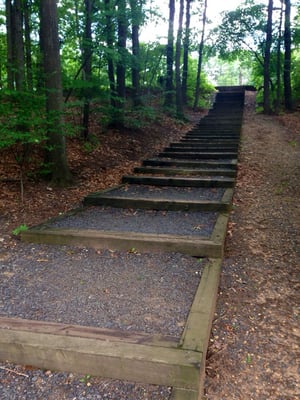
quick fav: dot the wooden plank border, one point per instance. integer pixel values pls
(194, 246)
(99, 356)
(114, 354)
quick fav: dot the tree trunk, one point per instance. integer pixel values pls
(56, 149)
(18, 43)
(278, 63)
(87, 66)
(9, 40)
(179, 104)
(287, 58)
(186, 46)
(109, 57)
(200, 57)
(28, 53)
(118, 119)
(135, 71)
(169, 95)
(267, 57)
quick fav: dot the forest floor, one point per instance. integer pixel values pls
(254, 350)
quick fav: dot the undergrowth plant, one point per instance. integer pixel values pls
(22, 125)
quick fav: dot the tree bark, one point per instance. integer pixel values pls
(118, 119)
(169, 94)
(28, 52)
(87, 66)
(278, 63)
(186, 46)
(200, 57)
(287, 58)
(56, 148)
(9, 40)
(109, 57)
(179, 103)
(135, 71)
(267, 57)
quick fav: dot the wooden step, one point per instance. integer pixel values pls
(186, 172)
(201, 148)
(198, 155)
(193, 245)
(178, 181)
(230, 163)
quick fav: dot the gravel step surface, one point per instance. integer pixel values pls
(137, 220)
(150, 293)
(168, 192)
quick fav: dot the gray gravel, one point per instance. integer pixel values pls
(149, 293)
(136, 220)
(168, 192)
(25, 383)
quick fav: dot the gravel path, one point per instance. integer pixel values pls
(143, 221)
(149, 293)
(168, 192)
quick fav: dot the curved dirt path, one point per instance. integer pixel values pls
(254, 352)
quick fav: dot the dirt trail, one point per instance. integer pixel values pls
(254, 352)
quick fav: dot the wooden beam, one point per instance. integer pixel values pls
(191, 245)
(125, 360)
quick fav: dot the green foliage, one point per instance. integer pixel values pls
(19, 229)
(21, 118)
(140, 117)
(206, 88)
(241, 29)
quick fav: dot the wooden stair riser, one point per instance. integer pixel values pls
(191, 163)
(181, 182)
(199, 155)
(184, 172)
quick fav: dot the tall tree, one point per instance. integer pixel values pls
(87, 66)
(186, 48)
(19, 45)
(15, 44)
(109, 30)
(200, 56)
(169, 87)
(136, 14)
(10, 46)
(267, 58)
(56, 148)
(179, 103)
(28, 47)
(287, 57)
(278, 61)
(121, 63)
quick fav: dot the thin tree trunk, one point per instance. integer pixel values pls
(200, 57)
(135, 71)
(267, 57)
(278, 63)
(19, 58)
(9, 40)
(179, 103)
(87, 66)
(110, 46)
(186, 46)
(169, 95)
(287, 58)
(118, 119)
(28, 52)
(56, 148)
